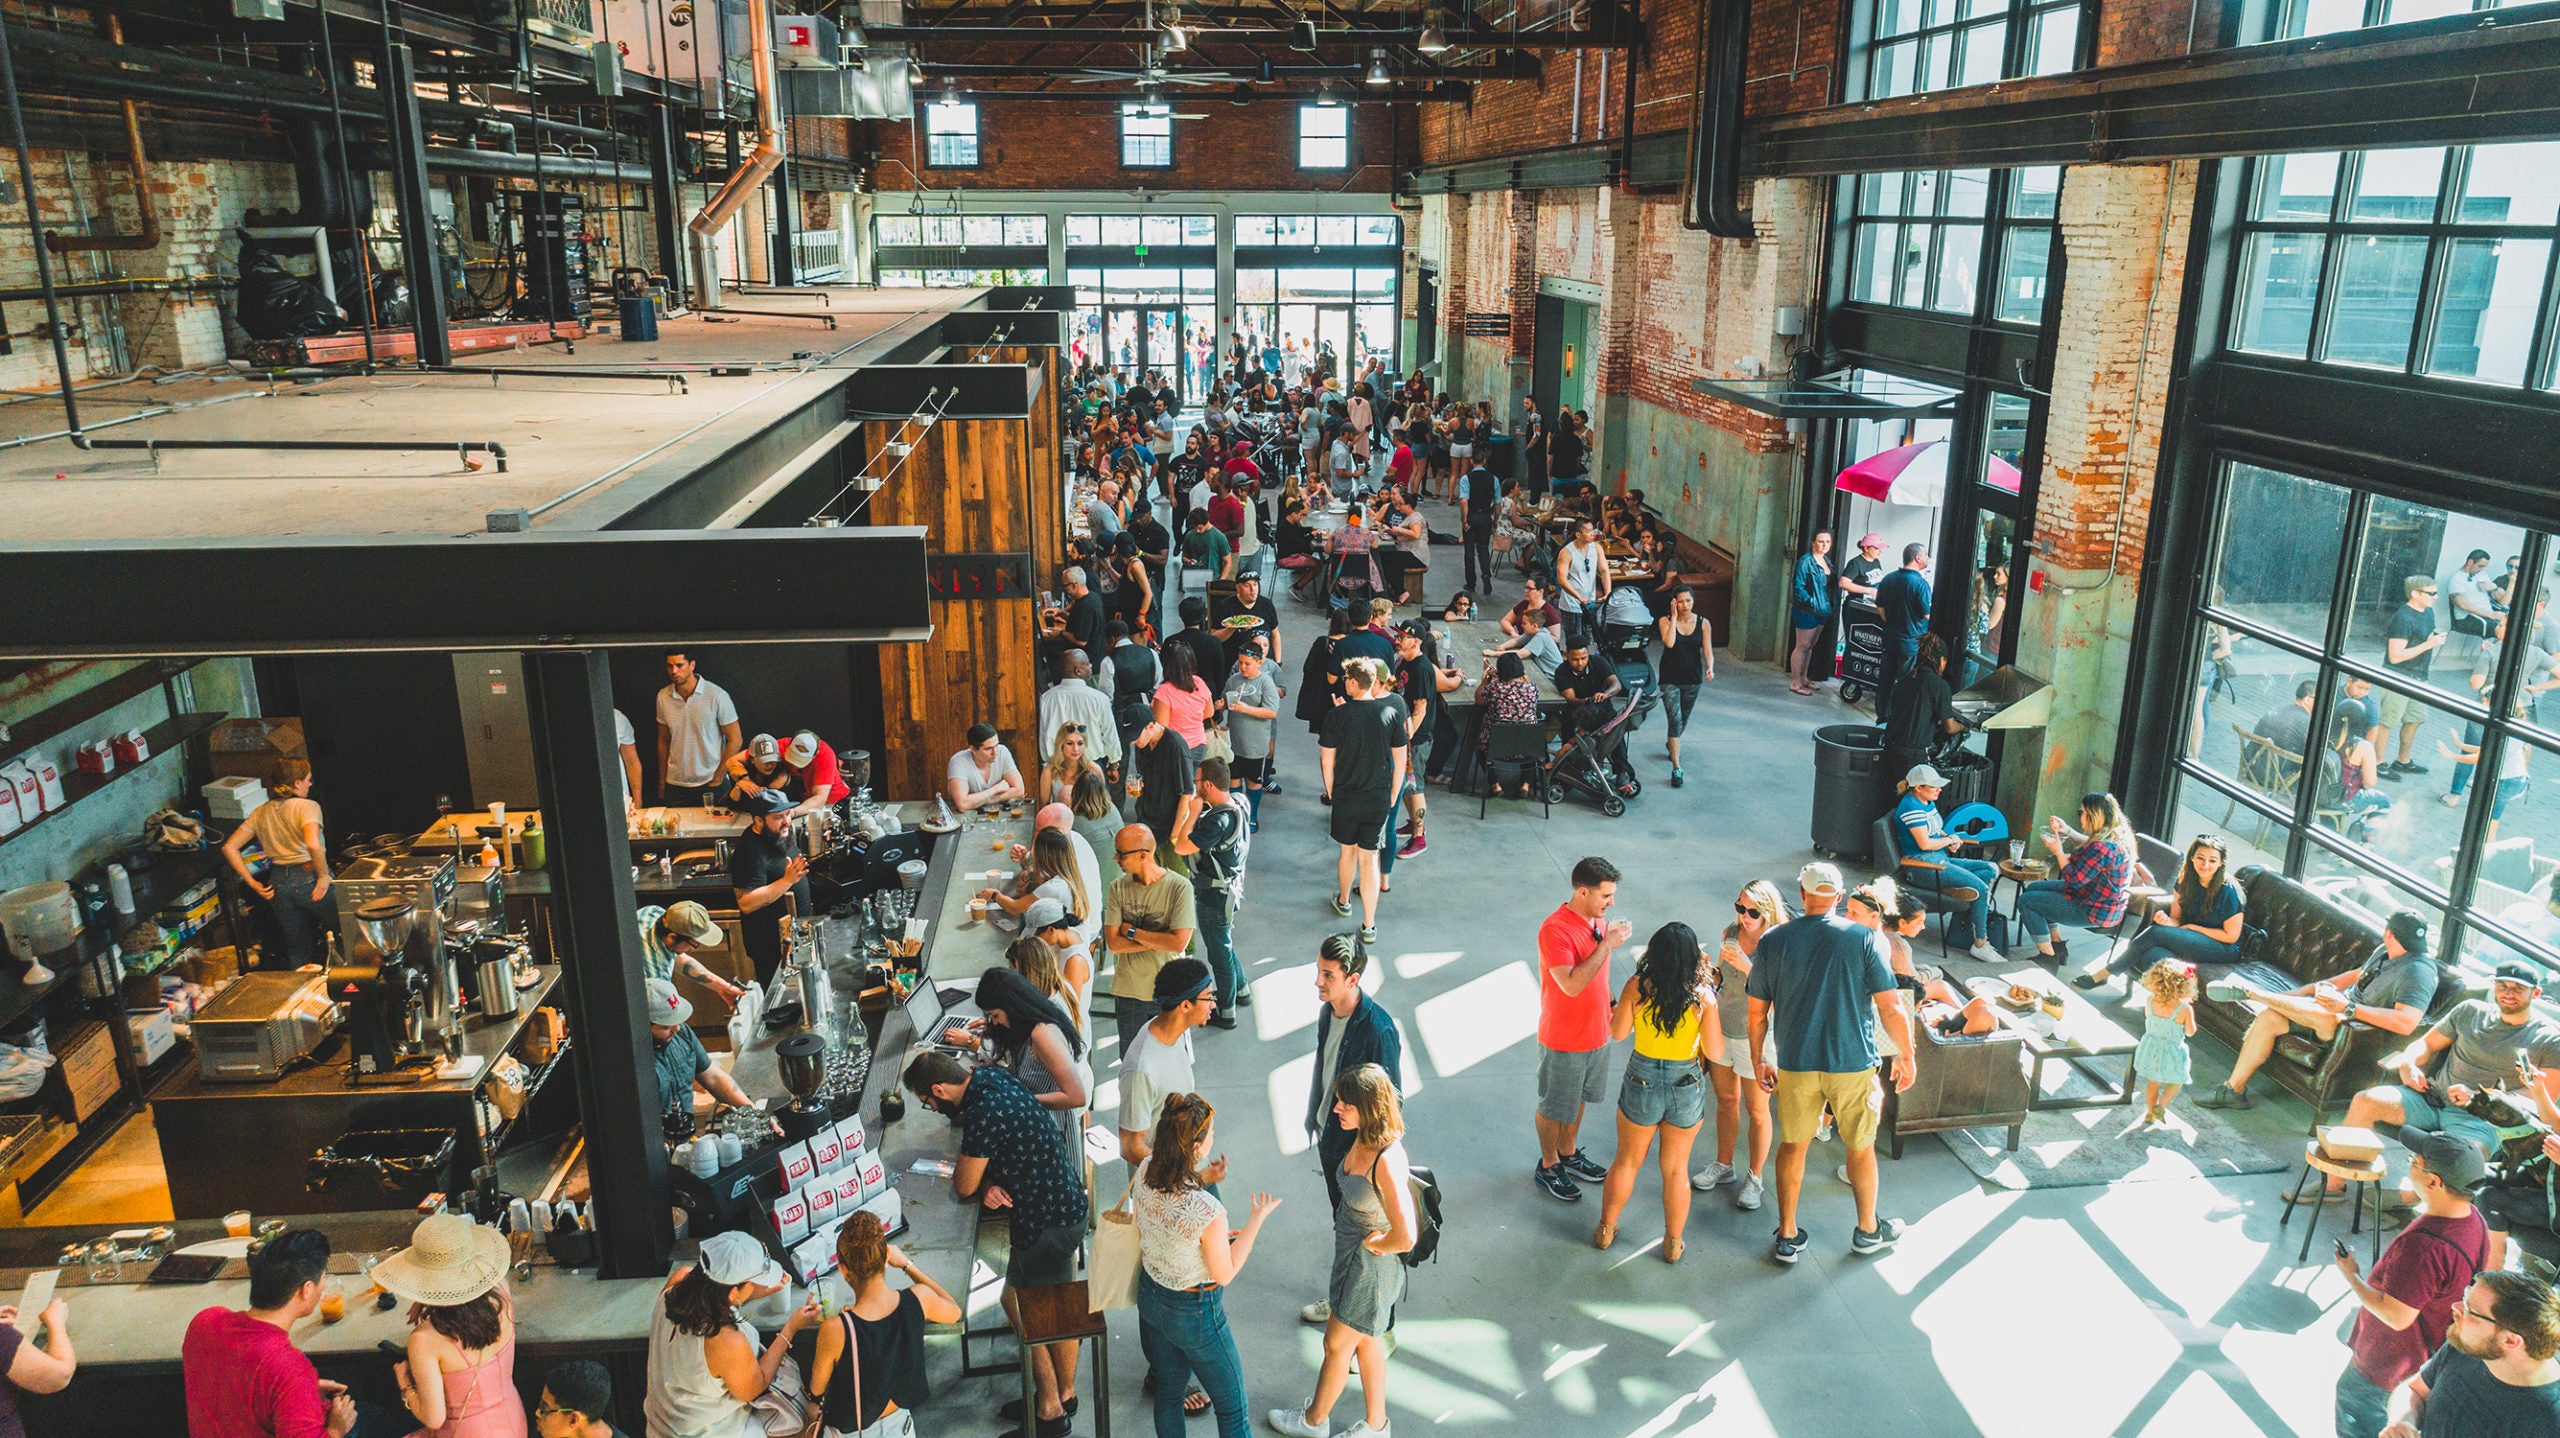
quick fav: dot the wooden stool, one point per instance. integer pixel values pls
(2358, 1176)
(1063, 1313)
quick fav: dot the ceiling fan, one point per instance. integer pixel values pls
(1151, 72)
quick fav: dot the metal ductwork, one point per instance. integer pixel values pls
(323, 200)
(1713, 203)
(752, 172)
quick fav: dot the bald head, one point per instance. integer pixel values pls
(1054, 816)
(1075, 664)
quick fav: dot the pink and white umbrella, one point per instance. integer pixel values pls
(1915, 474)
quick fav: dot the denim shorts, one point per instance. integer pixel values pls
(1663, 1091)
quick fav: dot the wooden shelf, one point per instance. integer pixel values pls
(16, 998)
(169, 736)
(91, 702)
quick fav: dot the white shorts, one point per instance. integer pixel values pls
(1461, 451)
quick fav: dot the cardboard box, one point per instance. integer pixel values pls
(88, 1058)
(256, 747)
(2350, 1145)
(154, 1033)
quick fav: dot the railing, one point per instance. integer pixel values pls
(817, 256)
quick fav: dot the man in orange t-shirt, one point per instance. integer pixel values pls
(1573, 1024)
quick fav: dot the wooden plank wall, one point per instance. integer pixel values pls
(1048, 471)
(966, 483)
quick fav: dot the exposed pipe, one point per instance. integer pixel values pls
(501, 162)
(751, 173)
(465, 447)
(35, 236)
(147, 237)
(183, 284)
(320, 195)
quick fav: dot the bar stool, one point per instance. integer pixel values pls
(1062, 1313)
(2359, 1177)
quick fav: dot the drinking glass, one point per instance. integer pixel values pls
(2017, 850)
(102, 1261)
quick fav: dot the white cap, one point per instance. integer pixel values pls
(803, 748)
(735, 1257)
(1818, 878)
(1923, 774)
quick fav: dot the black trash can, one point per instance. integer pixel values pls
(1849, 789)
(383, 1167)
(1499, 453)
(1969, 777)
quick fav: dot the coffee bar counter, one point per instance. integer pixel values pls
(233, 1145)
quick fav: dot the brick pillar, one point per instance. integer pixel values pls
(1523, 297)
(1620, 256)
(1457, 214)
(2124, 231)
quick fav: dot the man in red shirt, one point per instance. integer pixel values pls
(245, 1379)
(1400, 465)
(2408, 1303)
(1226, 511)
(1573, 1024)
(814, 765)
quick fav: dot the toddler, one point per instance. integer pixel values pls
(2168, 1020)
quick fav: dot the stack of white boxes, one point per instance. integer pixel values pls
(825, 1181)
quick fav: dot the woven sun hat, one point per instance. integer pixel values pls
(449, 1260)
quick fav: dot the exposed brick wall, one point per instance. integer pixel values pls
(2131, 31)
(1075, 145)
(1793, 44)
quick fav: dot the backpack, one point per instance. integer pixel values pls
(1425, 1188)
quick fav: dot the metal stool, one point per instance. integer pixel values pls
(2358, 1176)
(1063, 1313)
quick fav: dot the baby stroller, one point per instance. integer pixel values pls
(1625, 627)
(1581, 763)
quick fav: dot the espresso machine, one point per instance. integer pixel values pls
(382, 984)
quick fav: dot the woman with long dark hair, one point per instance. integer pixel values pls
(459, 1378)
(1029, 1033)
(2096, 879)
(706, 1364)
(1670, 1011)
(1186, 1258)
(2202, 923)
(1183, 701)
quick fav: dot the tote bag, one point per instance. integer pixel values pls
(1111, 1277)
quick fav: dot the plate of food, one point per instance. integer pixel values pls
(1244, 621)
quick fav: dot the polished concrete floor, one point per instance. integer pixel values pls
(2157, 1307)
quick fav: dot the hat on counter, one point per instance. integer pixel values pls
(764, 750)
(1818, 878)
(804, 747)
(1044, 914)
(691, 921)
(2457, 1162)
(666, 1006)
(1179, 982)
(2517, 971)
(735, 1257)
(1924, 775)
(763, 802)
(1871, 541)
(449, 1260)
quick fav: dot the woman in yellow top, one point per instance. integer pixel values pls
(1671, 1012)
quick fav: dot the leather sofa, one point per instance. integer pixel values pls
(2301, 935)
(1963, 1081)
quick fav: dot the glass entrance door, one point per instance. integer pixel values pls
(1147, 339)
(1308, 333)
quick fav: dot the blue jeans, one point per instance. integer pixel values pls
(1185, 1335)
(303, 922)
(1217, 939)
(1974, 874)
(2364, 1406)
(2160, 941)
(2044, 911)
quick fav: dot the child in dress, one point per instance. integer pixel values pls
(2168, 1021)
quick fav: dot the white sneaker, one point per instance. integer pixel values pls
(1712, 1177)
(1362, 1429)
(1749, 1196)
(1825, 1136)
(1843, 1172)
(1318, 1312)
(1293, 1421)
(1982, 950)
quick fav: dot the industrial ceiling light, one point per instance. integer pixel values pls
(1434, 38)
(950, 94)
(1262, 71)
(1378, 68)
(1304, 37)
(1176, 35)
(915, 72)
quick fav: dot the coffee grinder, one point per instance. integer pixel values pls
(803, 1060)
(384, 981)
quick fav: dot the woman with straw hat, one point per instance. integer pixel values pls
(459, 1380)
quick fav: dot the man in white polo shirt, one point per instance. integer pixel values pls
(697, 729)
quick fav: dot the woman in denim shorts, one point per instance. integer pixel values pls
(1671, 1012)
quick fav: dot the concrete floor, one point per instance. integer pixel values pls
(2161, 1307)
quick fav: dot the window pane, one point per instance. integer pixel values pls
(1253, 229)
(1378, 230)
(1986, 612)
(2398, 185)
(981, 230)
(2320, 17)
(2034, 190)
(2346, 883)
(899, 230)
(1084, 229)
(1026, 229)
(2025, 255)
(1910, 288)
(1295, 229)
(1925, 185)
(2511, 185)
(2254, 840)
(1880, 194)
(1979, 53)
(2526, 912)
(1896, 65)
(2377, 304)
(1969, 192)
(1897, 17)
(1159, 230)
(2415, 552)
(2279, 562)
(2295, 187)
(1256, 286)
(2279, 275)
(2053, 40)
(1333, 230)
(2400, 12)
(2484, 322)
(1959, 268)
(1323, 154)
(1871, 272)
(2247, 725)
(1937, 57)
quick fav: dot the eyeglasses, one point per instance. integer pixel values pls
(1131, 853)
(2473, 1313)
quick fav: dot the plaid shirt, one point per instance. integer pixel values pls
(2099, 878)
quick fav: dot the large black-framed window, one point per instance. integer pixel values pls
(1146, 137)
(964, 251)
(2433, 261)
(2297, 716)
(1911, 47)
(1324, 137)
(951, 135)
(2294, 19)
(1977, 243)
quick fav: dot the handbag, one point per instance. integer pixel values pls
(1220, 746)
(1501, 542)
(1111, 1274)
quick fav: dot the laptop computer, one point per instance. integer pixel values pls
(933, 1010)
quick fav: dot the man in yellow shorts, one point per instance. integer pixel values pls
(1820, 984)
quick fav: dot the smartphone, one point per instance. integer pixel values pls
(2340, 1245)
(32, 1302)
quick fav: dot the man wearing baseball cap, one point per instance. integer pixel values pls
(671, 935)
(813, 771)
(1820, 984)
(2481, 1044)
(2392, 990)
(767, 878)
(682, 1063)
(754, 769)
(1155, 1061)
(2407, 1304)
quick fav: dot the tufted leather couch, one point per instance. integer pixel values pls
(1960, 1081)
(2308, 936)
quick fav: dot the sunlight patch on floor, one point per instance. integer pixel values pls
(1478, 1019)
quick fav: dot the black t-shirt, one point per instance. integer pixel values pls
(1085, 617)
(1364, 735)
(1564, 454)
(1417, 683)
(1588, 682)
(2466, 1400)
(1001, 1122)
(2410, 626)
(1224, 607)
(756, 860)
(1155, 543)
(1862, 570)
(1922, 705)
(1208, 656)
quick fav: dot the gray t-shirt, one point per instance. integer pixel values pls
(973, 780)
(2388, 983)
(2484, 1049)
(1251, 736)
(1150, 1072)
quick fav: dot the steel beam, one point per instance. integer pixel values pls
(568, 589)
(971, 328)
(579, 782)
(408, 144)
(1598, 37)
(960, 391)
(2470, 78)
(1659, 161)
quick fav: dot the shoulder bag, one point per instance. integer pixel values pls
(1111, 1274)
